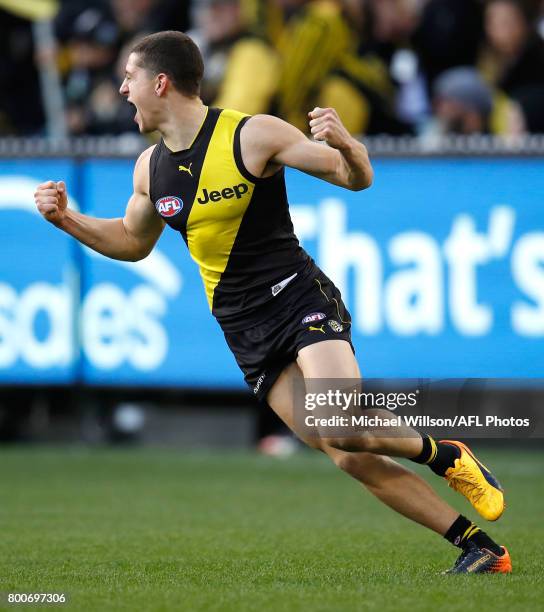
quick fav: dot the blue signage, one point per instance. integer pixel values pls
(441, 264)
(38, 278)
(147, 322)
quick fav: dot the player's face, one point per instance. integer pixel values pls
(138, 87)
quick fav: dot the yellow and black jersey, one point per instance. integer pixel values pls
(237, 226)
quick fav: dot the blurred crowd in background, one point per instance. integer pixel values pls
(419, 67)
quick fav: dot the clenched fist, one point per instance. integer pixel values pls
(51, 201)
(325, 125)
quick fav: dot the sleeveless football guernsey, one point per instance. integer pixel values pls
(237, 226)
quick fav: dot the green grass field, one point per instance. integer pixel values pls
(141, 530)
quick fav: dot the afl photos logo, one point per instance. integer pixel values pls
(169, 206)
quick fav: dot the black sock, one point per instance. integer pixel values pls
(464, 531)
(439, 456)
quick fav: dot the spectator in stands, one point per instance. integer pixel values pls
(449, 35)
(463, 102)
(513, 56)
(90, 86)
(138, 17)
(21, 111)
(512, 61)
(69, 11)
(268, 17)
(392, 26)
(360, 86)
(312, 43)
(323, 63)
(530, 101)
(241, 66)
(132, 16)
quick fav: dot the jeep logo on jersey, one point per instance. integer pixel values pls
(225, 194)
(312, 318)
(169, 206)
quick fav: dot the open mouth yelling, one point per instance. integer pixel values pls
(136, 110)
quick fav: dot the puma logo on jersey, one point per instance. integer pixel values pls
(237, 191)
(319, 329)
(186, 168)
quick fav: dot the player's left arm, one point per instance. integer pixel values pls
(269, 143)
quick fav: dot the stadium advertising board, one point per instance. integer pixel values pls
(38, 280)
(146, 322)
(441, 264)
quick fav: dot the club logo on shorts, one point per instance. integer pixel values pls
(335, 326)
(313, 317)
(169, 206)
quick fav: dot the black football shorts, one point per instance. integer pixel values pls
(307, 311)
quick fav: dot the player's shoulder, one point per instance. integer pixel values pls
(263, 127)
(145, 156)
(141, 167)
(233, 115)
(268, 134)
(259, 121)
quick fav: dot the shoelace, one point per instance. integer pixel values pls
(463, 481)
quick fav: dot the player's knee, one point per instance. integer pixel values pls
(348, 462)
(365, 442)
(365, 467)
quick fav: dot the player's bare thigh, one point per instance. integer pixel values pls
(281, 398)
(331, 366)
(330, 359)
(323, 368)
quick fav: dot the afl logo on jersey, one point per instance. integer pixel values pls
(169, 206)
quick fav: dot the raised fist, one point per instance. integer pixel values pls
(325, 125)
(51, 201)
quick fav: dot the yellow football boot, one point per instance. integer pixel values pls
(473, 480)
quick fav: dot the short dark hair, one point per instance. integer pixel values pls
(175, 54)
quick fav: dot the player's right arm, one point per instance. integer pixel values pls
(129, 238)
